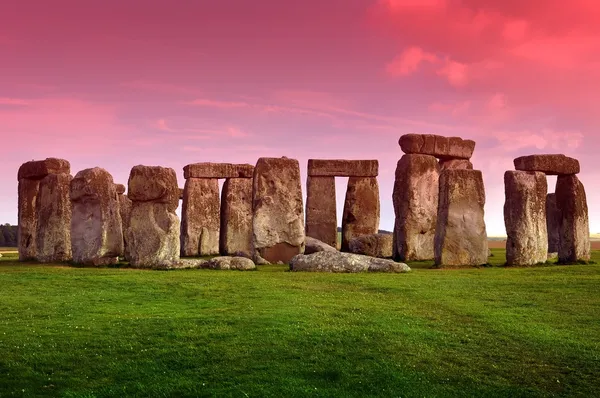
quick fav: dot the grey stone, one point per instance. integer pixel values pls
(200, 224)
(321, 217)
(361, 209)
(327, 261)
(574, 241)
(236, 218)
(375, 245)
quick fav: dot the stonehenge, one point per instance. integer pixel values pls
(96, 227)
(210, 226)
(539, 223)
(44, 211)
(260, 216)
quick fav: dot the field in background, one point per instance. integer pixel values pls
(493, 331)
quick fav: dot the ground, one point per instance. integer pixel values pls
(494, 331)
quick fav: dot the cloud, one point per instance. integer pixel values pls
(543, 140)
(13, 101)
(409, 61)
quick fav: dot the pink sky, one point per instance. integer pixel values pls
(120, 82)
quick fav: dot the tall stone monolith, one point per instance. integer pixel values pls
(321, 217)
(460, 235)
(361, 209)
(415, 199)
(96, 230)
(201, 217)
(552, 223)
(525, 217)
(236, 218)
(574, 238)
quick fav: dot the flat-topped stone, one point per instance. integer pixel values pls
(436, 145)
(550, 164)
(154, 184)
(342, 168)
(218, 170)
(38, 169)
(120, 189)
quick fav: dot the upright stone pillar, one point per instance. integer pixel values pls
(574, 224)
(153, 233)
(44, 210)
(201, 217)
(361, 209)
(525, 217)
(96, 226)
(460, 235)
(321, 217)
(415, 198)
(236, 218)
(278, 213)
(552, 223)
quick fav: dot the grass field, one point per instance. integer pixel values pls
(495, 331)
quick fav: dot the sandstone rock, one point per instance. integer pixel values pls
(96, 234)
(375, 245)
(552, 223)
(125, 206)
(53, 208)
(200, 217)
(525, 217)
(549, 164)
(278, 214)
(460, 235)
(258, 260)
(436, 145)
(415, 199)
(120, 188)
(314, 245)
(361, 209)
(236, 218)
(574, 242)
(218, 170)
(38, 169)
(321, 217)
(153, 236)
(327, 261)
(190, 263)
(28, 219)
(342, 168)
(460, 164)
(230, 263)
(154, 184)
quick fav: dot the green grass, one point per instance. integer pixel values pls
(493, 331)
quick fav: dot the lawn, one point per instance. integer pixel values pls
(494, 331)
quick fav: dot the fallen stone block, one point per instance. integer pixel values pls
(327, 261)
(375, 245)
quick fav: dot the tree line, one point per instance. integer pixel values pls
(8, 235)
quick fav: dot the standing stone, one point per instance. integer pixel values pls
(456, 164)
(321, 217)
(236, 218)
(552, 223)
(278, 214)
(125, 206)
(200, 215)
(361, 209)
(28, 220)
(53, 208)
(525, 217)
(415, 198)
(460, 235)
(96, 234)
(574, 243)
(153, 233)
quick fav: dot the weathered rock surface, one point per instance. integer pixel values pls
(549, 164)
(361, 209)
(525, 217)
(460, 236)
(96, 234)
(125, 206)
(314, 245)
(321, 217)
(153, 233)
(574, 241)
(53, 208)
(236, 218)
(415, 198)
(230, 263)
(120, 189)
(327, 261)
(552, 223)
(436, 145)
(460, 164)
(28, 219)
(375, 245)
(38, 169)
(218, 170)
(200, 215)
(278, 214)
(154, 184)
(342, 168)
(193, 263)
